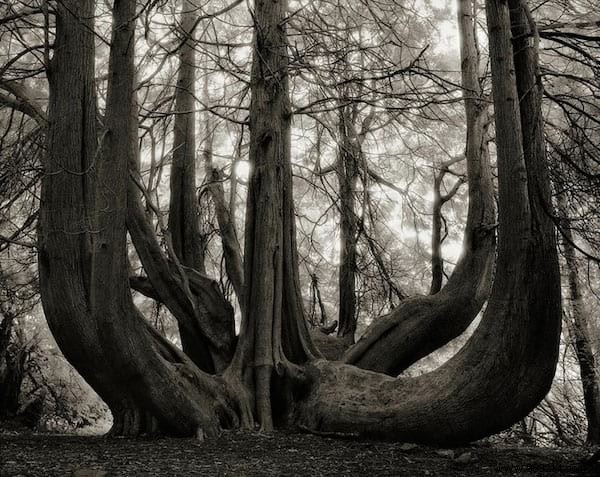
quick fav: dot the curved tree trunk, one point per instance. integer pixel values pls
(65, 229)
(205, 318)
(507, 366)
(195, 300)
(498, 377)
(422, 324)
(83, 259)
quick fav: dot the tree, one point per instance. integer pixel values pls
(90, 200)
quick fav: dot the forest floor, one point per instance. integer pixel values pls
(282, 454)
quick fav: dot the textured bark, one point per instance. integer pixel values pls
(507, 366)
(183, 217)
(347, 174)
(180, 396)
(64, 234)
(273, 333)
(205, 318)
(422, 324)
(201, 310)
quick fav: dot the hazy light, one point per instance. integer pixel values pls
(242, 170)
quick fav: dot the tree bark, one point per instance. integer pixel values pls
(582, 341)
(205, 318)
(196, 301)
(183, 216)
(422, 324)
(347, 173)
(437, 222)
(273, 334)
(64, 228)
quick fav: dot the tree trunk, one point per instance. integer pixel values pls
(582, 341)
(273, 334)
(437, 260)
(12, 364)
(347, 173)
(232, 252)
(205, 318)
(195, 300)
(65, 229)
(83, 260)
(184, 230)
(183, 217)
(422, 324)
(507, 366)
(437, 220)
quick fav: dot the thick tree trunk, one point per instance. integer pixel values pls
(507, 366)
(273, 335)
(422, 324)
(65, 229)
(144, 379)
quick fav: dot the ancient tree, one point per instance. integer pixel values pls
(271, 374)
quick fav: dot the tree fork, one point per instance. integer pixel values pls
(507, 366)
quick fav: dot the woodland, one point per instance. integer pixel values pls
(369, 220)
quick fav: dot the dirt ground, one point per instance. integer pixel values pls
(282, 454)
